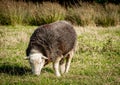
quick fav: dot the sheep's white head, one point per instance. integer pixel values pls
(37, 61)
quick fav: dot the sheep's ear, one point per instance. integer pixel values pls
(27, 58)
(44, 57)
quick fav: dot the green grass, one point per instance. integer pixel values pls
(96, 62)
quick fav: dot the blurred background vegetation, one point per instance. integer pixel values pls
(79, 12)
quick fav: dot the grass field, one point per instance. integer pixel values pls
(96, 62)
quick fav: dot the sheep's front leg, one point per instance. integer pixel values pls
(56, 66)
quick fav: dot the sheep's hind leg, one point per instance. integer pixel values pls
(68, 61)
(62, 66)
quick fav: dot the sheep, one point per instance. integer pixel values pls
(54, 42)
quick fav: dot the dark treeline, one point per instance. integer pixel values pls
(73, 2)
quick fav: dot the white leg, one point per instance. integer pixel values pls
(67, 66)
(56, 66)
(68, 61)
(62, 66)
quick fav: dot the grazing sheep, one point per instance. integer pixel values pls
(54, 42)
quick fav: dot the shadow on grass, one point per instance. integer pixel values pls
(13, 69)
(49, 70)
